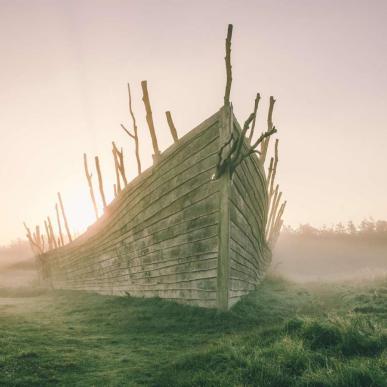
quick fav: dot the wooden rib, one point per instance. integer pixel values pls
(117, 170)
(265, 144)
(172, 127)
(100, 182)
(64, 217)
(149, 120)
(122, 166)
(59, 226)
(49, 240)
(274, 167)
(119, 159)
(50, 228)
(34, 247)
(269, 174)
(135, 130)
(272, 202)
(256, 103)
(274, 212)
(90, 183)
(277, 225)
(228, 66)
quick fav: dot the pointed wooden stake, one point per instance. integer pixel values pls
(64, 218)
(117, 169)
(48, 236)
(90, 183)
(149, 120)
(228, 66)
(172, 127)
(100, 182)
(59, 226)
(55, 245)
(135, 130)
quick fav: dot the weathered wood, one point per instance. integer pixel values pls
(49, 240)
(64, 218)
(59, 226)
(149, 120)
(256, 102)
(224, 214)
(117, 186)
(36, 249)
(171, 232)
(134, 135)
(100, 182)
(90, 184)
(228, 66)
(172, 127)
(52, 234)
(265, 144)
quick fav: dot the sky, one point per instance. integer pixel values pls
(65, 65)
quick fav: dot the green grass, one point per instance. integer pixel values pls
(281, 335)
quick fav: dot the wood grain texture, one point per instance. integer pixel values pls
(173, 232)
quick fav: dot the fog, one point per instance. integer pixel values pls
(339, 253)
(305, 254)
(17, 265)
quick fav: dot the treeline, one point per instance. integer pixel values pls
(15, 252)
(368, 229)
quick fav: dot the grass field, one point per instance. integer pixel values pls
(283, 334)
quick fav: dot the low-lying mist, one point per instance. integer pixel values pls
(340, 253)
(17, 265)
(304, 254)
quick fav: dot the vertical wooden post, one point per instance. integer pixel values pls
(122, 165)
(228, 66)
(149, 120)
(265, 143)
(172, 127)
(223, 269)
(100, 182)
(34, 246)
(117, 169)
(59, 226)
(256, 102)
(135, 130)
(90, 183)
(50, 228)
(64, 218)
(49, 240)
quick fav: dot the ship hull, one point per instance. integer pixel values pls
(174, 232)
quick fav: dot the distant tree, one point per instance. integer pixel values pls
(339, 228)
(351, 228)
(307, 230)
(367, 226)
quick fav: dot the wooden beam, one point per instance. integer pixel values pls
(100, 182)
(228, 66)
(49, 240)
(117, 170)
(59, 226)
(90, 183)
(50, 228)
(64, 217)
(265, 144)
(172, 127)
(256, 103)
(149, 120)
(134, 136)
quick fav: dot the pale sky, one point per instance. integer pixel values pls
(65, 64)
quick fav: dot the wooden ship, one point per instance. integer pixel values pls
(196, 227)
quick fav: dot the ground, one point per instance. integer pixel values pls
(283, 334)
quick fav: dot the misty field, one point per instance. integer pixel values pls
(283, 334)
